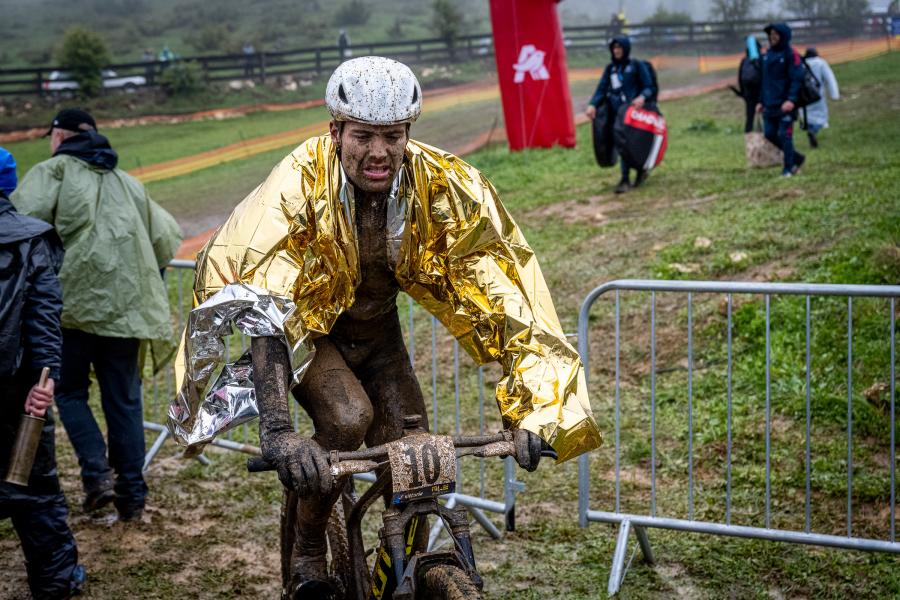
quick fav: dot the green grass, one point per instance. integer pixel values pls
(150, 144)
(213, 530)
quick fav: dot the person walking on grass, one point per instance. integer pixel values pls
(116, 240)
(750, 81)
(30, 303)
(624, 81)
(816, 114)
(782, 76)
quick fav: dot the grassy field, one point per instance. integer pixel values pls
(212, 531)
(201, 200)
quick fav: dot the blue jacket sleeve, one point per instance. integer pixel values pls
(43, 305)
(602, 88)
(645, 80)
(796, 74)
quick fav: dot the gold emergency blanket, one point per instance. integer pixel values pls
(456, 251)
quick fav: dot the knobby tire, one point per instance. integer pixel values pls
(446, 582)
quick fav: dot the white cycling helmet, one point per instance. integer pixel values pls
(374, 90)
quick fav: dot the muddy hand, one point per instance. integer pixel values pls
(302, 464)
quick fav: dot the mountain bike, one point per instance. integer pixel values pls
(419, 468)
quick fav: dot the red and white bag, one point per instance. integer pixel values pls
(641, 137)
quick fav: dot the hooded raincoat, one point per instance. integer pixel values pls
(116, 239)
(782, 72)
(817, 112)
(291, 245)
(623, 80)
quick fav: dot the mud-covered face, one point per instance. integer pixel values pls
(370, 154)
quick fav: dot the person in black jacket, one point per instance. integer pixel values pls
(782, 76)
(624, 81)
(750, 81)
(31, 338)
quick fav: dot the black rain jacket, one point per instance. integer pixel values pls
(31, 255)
(30, 295)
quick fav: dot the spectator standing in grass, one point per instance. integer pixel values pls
(343, 45)
(624, 81)
(166, 56)
(750, 81)
(30, 303)
(249, 58)
(117, 240)
(781, 81)
(149, 60)
(816, 114)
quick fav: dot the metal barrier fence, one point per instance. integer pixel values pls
(705, 517)
(442, 373)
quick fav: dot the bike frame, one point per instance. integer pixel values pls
(397, 561)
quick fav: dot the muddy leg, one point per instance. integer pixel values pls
(341, 415)
(394, 391)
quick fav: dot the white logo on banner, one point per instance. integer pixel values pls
(531, 61)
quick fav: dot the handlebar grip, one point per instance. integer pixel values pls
(258, 464)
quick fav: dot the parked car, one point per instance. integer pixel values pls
(61, 81)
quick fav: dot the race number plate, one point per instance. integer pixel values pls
(422, 466)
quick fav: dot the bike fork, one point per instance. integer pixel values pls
(458, 523)
(392, 539)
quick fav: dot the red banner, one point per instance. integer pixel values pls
(531, 66)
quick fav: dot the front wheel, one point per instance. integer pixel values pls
(447, 582)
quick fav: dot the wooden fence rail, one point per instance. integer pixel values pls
(696, 37)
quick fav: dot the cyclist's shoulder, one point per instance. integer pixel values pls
(314, 149)
(437, 162)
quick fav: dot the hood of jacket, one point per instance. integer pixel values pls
(784, 32)
(625, 42)
(92, 148)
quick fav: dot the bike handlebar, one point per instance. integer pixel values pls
(368, 458)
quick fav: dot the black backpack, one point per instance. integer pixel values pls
(809, 88)
(751, 73)
(655, 95)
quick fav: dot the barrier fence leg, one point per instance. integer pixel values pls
(511, 487)
(583, 490)
(157, 443)
(483, 520)
(644, 543)
(619, 568)
(163, 432)
(617, 571)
